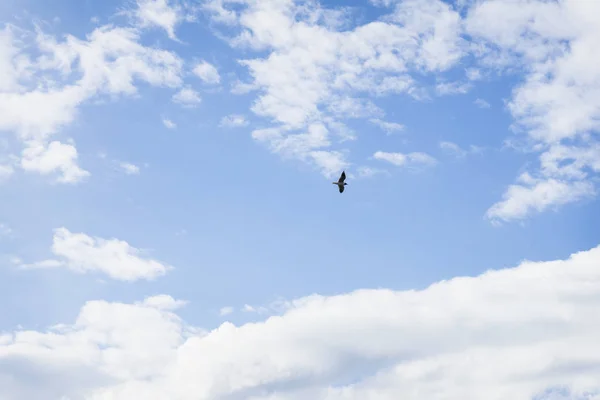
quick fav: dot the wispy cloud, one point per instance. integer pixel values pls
(473, 74)
(368, 172)
(408, 160)
(456, 150)
(233, 121)
(388, 127)
(129, 169)
(169, 124)
(446, 88)
(226, 310)
(482, 103)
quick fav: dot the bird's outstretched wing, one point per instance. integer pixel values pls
(342, 177)
(341, 188)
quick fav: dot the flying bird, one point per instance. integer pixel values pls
(341, 182)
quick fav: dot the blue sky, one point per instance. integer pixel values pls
(466, 152)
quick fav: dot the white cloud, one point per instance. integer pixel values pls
(168, 123)
(563, 178)
(409, 160)
(305, 146)
(532, 194)
(108, 61)
(207, 72)
(388, 127)
(10, 68)
(163, 302)
(162, 14)
(116, 258)
(473, 74)
(219, 13)
(554, 43)
(314, 70)
(453, 148)
(348, 107)
(187, 97)
(55, 157)
(456, 150)
(445, 88)
(330, 163)
(516, 333)
(40, 95)
(252, 309)
(571, 161)
(129, 169)
(225, 310)
(312, 67)
(233, 121)
(482, 103)
(317, 72)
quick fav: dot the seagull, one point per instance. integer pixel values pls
(341, 182)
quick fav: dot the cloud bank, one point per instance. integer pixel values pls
(506, 334)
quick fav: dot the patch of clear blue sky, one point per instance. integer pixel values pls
(259, 227)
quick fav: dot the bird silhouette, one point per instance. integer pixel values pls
(340, 183)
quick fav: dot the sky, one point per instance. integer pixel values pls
(169, 228)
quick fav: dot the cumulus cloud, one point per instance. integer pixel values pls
(515, 333)
(56, 156)
(163, 14)
(558, 102)
(207, 72)
(42, 89)
(84, 254)
(187, 97)
(317, 66)
(317, 72)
